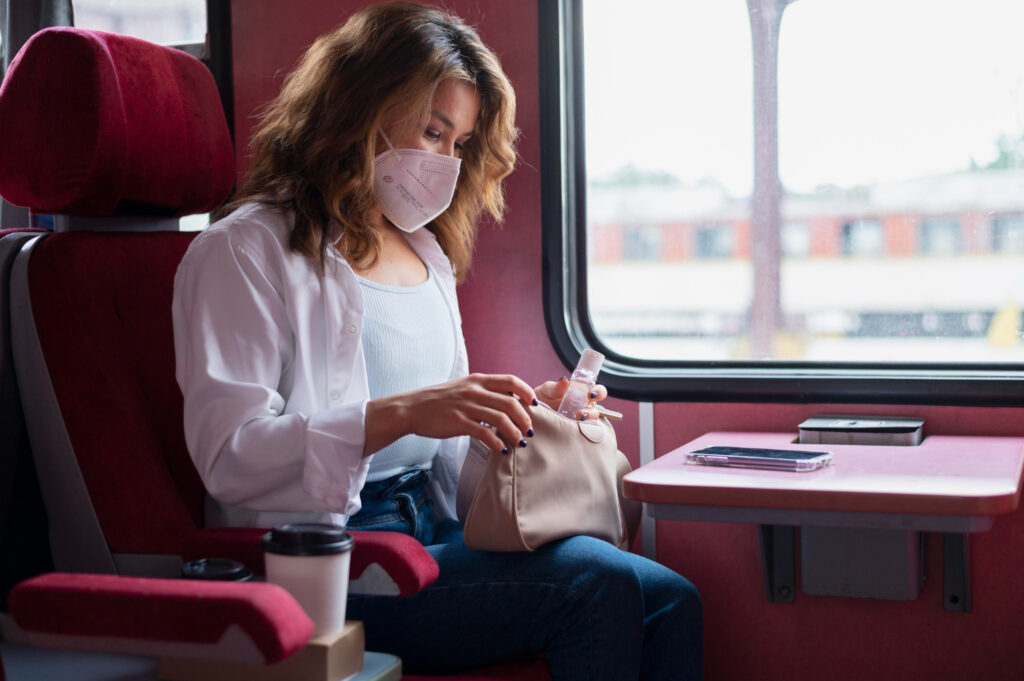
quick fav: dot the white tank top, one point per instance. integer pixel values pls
(409, 342)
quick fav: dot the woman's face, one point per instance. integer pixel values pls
(453, 113)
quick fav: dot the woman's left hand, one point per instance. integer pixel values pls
(551, 392)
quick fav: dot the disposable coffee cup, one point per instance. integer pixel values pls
(311, 561)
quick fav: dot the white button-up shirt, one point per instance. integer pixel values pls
(270, 363)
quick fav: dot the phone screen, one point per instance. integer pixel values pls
(761, 453)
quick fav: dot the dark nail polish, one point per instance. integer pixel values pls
(504, 450)
(529, 433)
(535, 402)
(583, 416)
(522, 442)
(593, 394)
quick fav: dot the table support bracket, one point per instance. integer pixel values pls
(778, 550)
(956, 577)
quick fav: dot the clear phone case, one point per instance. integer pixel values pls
(800, 461)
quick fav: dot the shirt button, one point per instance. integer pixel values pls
(335, 395)
(351, 328)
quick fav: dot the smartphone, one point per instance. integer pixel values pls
(752, 457)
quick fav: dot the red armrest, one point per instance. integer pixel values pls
(232, 621)
(383, 563)
(389, 563)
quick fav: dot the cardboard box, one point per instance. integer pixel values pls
(325, 658)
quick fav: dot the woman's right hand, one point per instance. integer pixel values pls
(464, 406)
(552, 392)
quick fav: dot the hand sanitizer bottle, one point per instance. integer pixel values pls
(582, 382)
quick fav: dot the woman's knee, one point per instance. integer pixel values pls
(602, 569)
(681, 603)
(591, 566)
(596, 567)
(674, 586)
(668, 591)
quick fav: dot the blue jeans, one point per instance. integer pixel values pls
(592, 610)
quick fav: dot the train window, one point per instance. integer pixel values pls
(862, 238)
(940, 235)
(796, 240)
(194, 223)
(168, 22)
(713, 241)
(1008, 233)
(780, 199)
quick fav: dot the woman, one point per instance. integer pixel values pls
(320, 353)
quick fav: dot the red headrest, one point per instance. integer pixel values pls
(97, 124)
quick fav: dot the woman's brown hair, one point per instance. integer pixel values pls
(313, 150)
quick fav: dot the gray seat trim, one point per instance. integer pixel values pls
(10, 412)
(76, 539)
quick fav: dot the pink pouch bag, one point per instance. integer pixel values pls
(566, 482)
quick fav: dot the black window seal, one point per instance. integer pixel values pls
(219, 55)
(564, 265)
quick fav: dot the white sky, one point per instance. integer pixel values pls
(869, 90)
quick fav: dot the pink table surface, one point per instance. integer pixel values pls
(944, 475)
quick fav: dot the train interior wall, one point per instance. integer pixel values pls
(815, 637)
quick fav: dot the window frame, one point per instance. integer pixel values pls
(566, 309)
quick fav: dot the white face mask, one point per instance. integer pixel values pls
(413, 186)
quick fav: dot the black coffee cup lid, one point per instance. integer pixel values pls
(219, 569)
(307, 539)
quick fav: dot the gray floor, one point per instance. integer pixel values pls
(24, 663)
